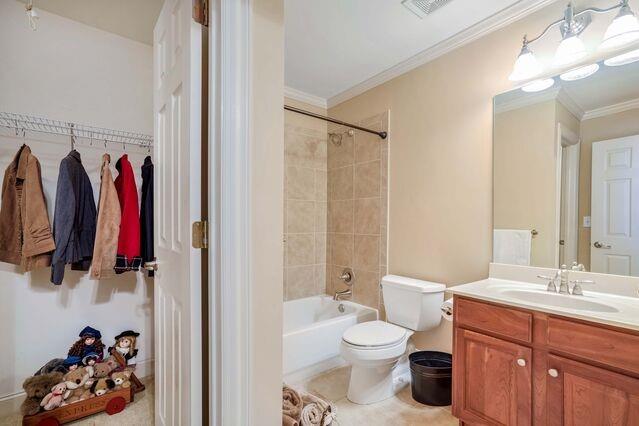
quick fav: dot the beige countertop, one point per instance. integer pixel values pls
(598, 307)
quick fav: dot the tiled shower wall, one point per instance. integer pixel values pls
(305, 206)
(357, 210)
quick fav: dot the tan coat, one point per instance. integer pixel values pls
(108, 225)
(25, 231)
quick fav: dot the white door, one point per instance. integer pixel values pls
(614, 240)
(177, 52)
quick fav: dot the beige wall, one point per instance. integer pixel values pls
(598, 129)
(305, 205)
(267, 172)
(440, 217)
(525, 175)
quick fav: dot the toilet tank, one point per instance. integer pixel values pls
(412, 303)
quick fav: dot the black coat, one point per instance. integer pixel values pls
(74, 221)
(146, 213)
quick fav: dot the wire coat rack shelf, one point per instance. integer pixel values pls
(22, 123)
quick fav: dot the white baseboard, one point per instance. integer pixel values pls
(10, 403)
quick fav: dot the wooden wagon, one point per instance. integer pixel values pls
(111, 402)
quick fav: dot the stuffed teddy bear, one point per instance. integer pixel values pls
(78, 383)
(102, 386)
(56, 397)
(36, 388)
(122, 379)
(103, 369)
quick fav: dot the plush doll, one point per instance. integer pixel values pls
(89, 344)
(78, 382)
(122, 379)
(125, 345)
(90, 359)
(103, 369)
(36, 388)
(102, 386)
(56, 397)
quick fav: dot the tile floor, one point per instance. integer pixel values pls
(401, 410)
(138, 413)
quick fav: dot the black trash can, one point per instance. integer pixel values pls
(431, 377)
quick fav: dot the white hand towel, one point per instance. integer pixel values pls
(512, 246)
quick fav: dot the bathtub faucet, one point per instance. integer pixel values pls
(339, 294)
(347, 277)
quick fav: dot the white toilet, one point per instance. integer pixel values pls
(376, 349)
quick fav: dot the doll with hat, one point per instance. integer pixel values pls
(125, 346)
(88, 347)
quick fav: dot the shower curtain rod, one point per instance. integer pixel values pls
(382, 135)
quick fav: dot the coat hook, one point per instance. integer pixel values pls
(72, 137)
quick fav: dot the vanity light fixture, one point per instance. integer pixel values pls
(626, 58)
(579, 73)
(538, 85)
(526, 66)
(624, 29)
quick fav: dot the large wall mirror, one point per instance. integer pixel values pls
(566, 174)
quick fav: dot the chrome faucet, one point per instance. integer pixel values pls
(563, 280)
(564, 283)
(347, 277)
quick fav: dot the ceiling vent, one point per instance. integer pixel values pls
(422, 8)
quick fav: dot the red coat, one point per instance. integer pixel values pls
(129, 239)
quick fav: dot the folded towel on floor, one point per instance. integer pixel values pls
(316, 411)
(291, 404)
(289, 421)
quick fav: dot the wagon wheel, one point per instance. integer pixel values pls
(49, 421)
(115, 405)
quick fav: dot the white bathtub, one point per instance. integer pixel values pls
(313, 329)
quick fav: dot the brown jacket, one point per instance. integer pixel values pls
(25, 231)
(108, 226)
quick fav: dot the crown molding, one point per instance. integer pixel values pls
(569, 103)
(499, 20)
(612, 109)
(307, 98)
(526, 99)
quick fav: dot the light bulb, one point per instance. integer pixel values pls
(623, 59)
(538, 85)
(579, 73)
(526, 66)
(570, 50)
(622, 30)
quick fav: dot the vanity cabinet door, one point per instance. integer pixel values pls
(582, 395)
(492, 380)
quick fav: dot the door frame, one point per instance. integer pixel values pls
(229, 212)
(574, 142)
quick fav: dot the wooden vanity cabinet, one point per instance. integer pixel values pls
(517, 367)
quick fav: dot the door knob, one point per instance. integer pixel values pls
(151, 266)
(599, 245)
(521, 362)
(553, 372)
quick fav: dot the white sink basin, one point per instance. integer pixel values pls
(583, 303)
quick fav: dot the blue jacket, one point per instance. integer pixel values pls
(74, 221)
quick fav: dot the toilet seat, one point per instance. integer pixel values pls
(374, 335)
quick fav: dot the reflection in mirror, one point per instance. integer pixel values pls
(566, 174)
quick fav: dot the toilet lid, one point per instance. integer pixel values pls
(374, 333)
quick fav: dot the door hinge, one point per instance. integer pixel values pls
(200, 235)
(201, 12)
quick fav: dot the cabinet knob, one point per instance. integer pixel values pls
(521, 362)
(553, 372)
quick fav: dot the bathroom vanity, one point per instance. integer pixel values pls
(525, 356)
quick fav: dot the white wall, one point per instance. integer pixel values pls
(69, 71)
